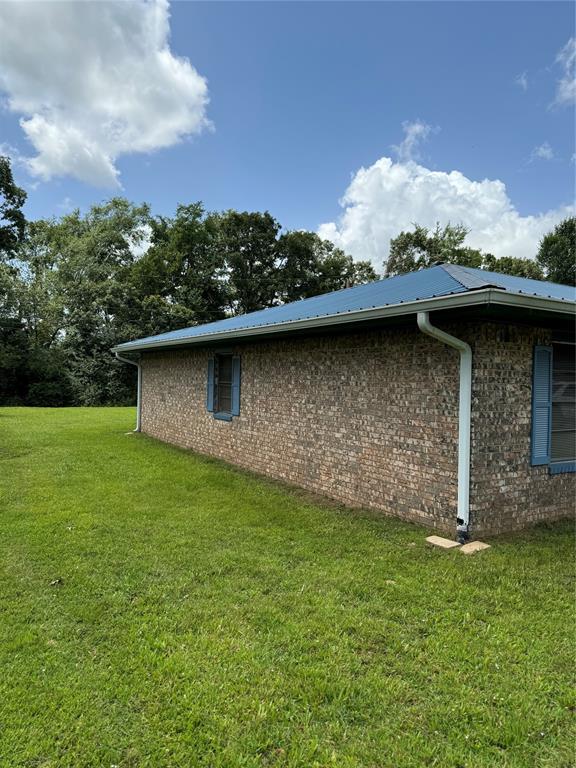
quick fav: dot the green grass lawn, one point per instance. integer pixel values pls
(161, 609)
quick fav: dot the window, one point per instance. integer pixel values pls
(553, 407)
(223, 386)
(563, 428)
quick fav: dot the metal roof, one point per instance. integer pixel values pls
(393, 293)
(522, 285)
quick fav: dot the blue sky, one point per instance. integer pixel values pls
(302, 95)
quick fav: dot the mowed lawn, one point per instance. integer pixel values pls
(161, 609)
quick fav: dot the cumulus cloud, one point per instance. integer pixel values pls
(566, 86)
(542, 152)
(414, 134)
(93, 81)
(389, 197)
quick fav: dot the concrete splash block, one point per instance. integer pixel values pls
(474, 546)
(441, 543)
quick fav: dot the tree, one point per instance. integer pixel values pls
(42, 376)
(557, 253)
(421, 248)
(32, 369)
(248, 242)
(511, 265)
(95, 254)
(298, 254)
(310, 266)
(338, 270)
(72, 288)
(41, 301)
(13, 339)
(12, 220)
(184, 269)
(13, 336)
(14, 354)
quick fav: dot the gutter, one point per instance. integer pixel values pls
(486, 296)
(139, 390)
(464, 419)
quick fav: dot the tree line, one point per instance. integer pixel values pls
(72, 287)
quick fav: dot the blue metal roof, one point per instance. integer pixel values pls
(523, 285)
(441, 280)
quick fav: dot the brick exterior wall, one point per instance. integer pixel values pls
(370, 419)
(506, 491)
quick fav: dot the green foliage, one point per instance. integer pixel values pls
(248, 242)
(94, 255)
(85, 282)
(14, 351)
(48, 378)
(30, 374)
(183, 271)
(41, 297)
(557, 253)
(421, 248)
(12, 221)
(509, 265)
(309, 266)
(161, 610)
(14, 342)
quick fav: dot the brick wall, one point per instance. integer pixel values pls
(506, 492)
(369, 419)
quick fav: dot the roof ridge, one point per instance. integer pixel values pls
(360, 285)
(468, 280)
(493, 273)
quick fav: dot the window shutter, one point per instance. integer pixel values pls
(235, 386)
(210, 386)
(541, 405)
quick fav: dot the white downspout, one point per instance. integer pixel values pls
(464, 411)
(139, 390)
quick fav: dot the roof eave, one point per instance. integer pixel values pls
(495, 296)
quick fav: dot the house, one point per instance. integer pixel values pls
(444, 396)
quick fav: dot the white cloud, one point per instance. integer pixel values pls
(542, 152)
(66, 205)
(522, 81)
(415, 133)
(389, 197)
(566, 86)
(94, 81)
(142, 242)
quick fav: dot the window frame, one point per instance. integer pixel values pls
(558, 466)
(543, 399)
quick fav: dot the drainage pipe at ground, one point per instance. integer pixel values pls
(464, 418)
(139, 390)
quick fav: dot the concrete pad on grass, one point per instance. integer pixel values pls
(441, 543)
(474, 546)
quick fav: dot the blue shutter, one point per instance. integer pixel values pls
(541, 405)
(210, 386)
(235, 386)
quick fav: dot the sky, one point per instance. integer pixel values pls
(352, 119)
